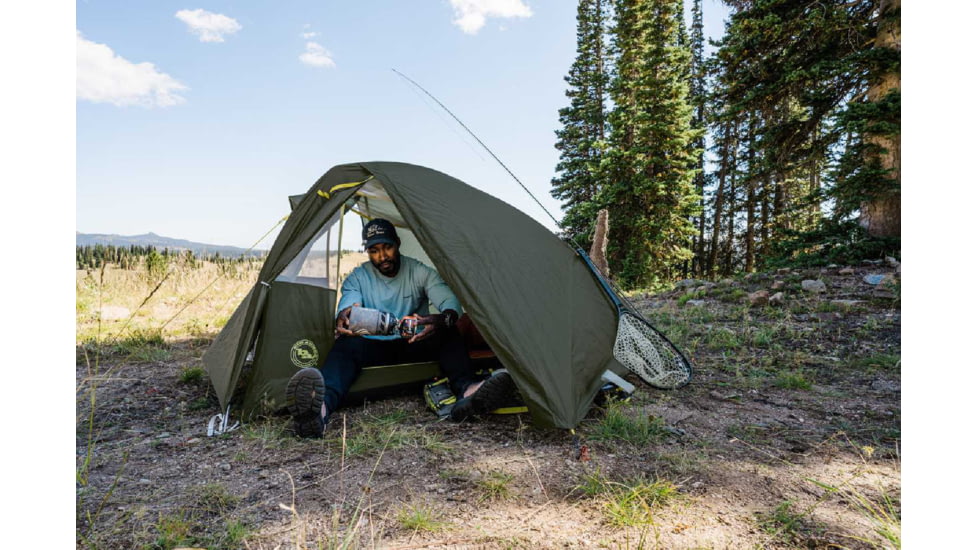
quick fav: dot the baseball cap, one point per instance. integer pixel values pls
(379, 231)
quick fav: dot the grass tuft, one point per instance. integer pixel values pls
(420, 518)
(782, 522)
(494, 486)
(620, 425)
(215, 498)
(794, 380)
(192, 375)
(628, 503)
(723, 339)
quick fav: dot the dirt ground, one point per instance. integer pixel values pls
(787, 437)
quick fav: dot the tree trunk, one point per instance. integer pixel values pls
(749, 235)
(881, 215)
(751, 203)
(718, 203)
(599, 246)
(731, 216)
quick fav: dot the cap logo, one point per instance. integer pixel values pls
(375, 230)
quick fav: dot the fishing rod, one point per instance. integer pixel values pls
(577, 246)
(639, 346)
(484, 146)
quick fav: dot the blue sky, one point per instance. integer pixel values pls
(196, 121)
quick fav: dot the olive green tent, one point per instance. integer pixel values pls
(532, 297)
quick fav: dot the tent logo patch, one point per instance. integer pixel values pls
(304, 354)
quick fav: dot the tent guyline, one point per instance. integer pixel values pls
(201, 293)
(160, 328)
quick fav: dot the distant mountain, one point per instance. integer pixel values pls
(160, 242)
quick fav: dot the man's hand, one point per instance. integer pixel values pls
(343, 323)
(432, 323)
(426, 324)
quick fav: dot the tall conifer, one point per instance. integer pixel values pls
(649, 165)
(581, 139)
(820, 81)
(698, 99)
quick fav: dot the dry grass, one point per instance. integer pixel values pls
(186, 303)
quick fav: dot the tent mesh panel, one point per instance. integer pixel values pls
(642, 350)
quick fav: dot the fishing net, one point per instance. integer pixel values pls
(642, 350)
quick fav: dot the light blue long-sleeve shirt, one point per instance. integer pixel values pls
(403, 294)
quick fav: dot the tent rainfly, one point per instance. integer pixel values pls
(535, 301)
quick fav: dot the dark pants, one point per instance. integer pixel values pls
(351, 353)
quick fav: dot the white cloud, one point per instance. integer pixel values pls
(308, 35)
(104, 77)
(210, 27)
(470, 15)
(317, 56)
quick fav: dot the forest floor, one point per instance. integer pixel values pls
(787, 437)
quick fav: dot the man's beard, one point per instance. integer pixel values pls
(393, 269)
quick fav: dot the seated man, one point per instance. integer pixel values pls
(402, 286)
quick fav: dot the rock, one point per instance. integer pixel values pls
(886, 385)
(776, 299)
(777, 285)
(846, 303)
(783, 270)
(112, 313)
(226, 467)
(759, 298)
(810, 285)
(727, 282)
(874, 278)
(689, 283)
(696, 303)
(846, 271)
(892, 262)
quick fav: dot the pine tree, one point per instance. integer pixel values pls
(698, 99)
(870, 173)
(584, 126)
(820, 83)
(649, 166)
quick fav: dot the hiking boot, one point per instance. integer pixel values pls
(495, 392)
(304, 398)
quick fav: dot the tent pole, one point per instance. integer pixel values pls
(329, 235)
(339, 249)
